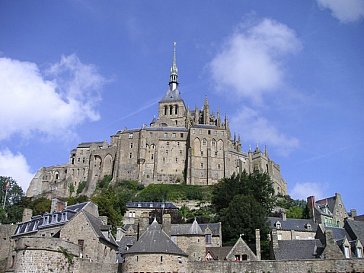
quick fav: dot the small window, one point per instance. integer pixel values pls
(209, 132)
(131, 145)
(181, 134)
(131, 135)
(130, 155)
(201, 165)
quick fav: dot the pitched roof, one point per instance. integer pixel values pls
(355, 229)
(195, 228)
(219, 253)
(155, 240)
(298, 249)
(185, 229)
(98, 227)
(293, 224)
(126, 242)
(151, 205)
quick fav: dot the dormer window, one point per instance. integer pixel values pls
(359, 252)
(308, 226)
(278, 225)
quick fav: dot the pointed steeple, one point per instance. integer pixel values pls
(173, 77)
(265, 151)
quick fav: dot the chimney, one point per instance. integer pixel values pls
(57, 205)
(353, 213)
(284, 215)
(311, 207)
(103, 219)
(166, 224)
(119, 233)
(273, 243)
(257, 244)
(332, 250)
(27, 215)
(143, 223)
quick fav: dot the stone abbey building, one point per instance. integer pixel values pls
(194, 146)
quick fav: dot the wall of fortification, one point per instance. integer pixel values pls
(307, 266)
(43, 255)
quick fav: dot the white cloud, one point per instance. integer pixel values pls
(306, 189)
(250, 63)
(51, 102)
(256, 128)
(345, 11)
(15, 166)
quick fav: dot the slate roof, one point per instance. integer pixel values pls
(219, 253)
(172, 95)
(355, 229)
(151, 205)
(339, 233)
(98, 227)
(298, 249)
(155, 240)
(126, 242)
(185, 229)
(293, 224)
(89, 144)
(48, 220)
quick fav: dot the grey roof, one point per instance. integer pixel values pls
(48, 220)
(151, 205)
(126, 242)
(195, 228)
(339, 233)
(155, 240)
(355, 229)
(208, 126)
(219, 253)
(293, 224)
(172, 95)
(89, 144)
(184, 229)
(98, 227)
(298, 249)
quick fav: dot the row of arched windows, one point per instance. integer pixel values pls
(170, 109)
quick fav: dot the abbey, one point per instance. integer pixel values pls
(181, 145)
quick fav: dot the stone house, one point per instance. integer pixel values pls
(293, 229)
(328, 211)
(194, 146)
(72, 236)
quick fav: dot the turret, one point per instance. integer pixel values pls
(206, 112)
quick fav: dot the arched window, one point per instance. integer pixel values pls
(170, 109)
(176, 109)
(165, 110)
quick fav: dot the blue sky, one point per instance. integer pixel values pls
(288, 75)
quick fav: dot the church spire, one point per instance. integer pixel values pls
(173, 77)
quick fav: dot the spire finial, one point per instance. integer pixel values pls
(173, 77)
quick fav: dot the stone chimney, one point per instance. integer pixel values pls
(166, 225)
(273, 243)
(353, 213)
(311, 207)
(284, 215)
(103, 219)
(120, 232)
(57, 205)
(27, 215)
(143, 223)
(257, 244)
(332, 250)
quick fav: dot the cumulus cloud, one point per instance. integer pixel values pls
(345, 11)
(49, 102)
(303, 190)
(250, 63)
(256, 128)
(15, 166)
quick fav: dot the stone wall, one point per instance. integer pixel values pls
(43, 255)
(6, 231)
(307, 266)
(155, 263)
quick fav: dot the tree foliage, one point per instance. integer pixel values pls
(294, 208)
(242, 203)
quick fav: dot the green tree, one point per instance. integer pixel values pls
(40, 205)
(13, 200)
(81, 187)
(243, 215)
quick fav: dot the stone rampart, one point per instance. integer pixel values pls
(294, 266)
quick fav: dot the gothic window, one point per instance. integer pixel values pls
(130, 155)
(170, 109)
(165, 110)
(204, 142)
(152, 157)
(176, 109)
